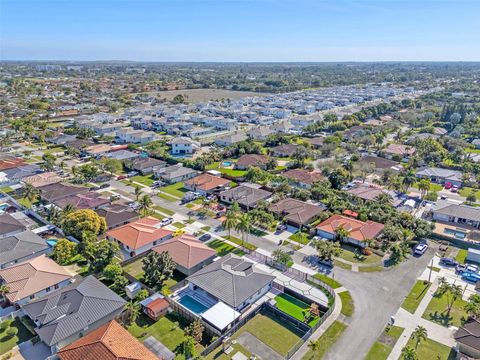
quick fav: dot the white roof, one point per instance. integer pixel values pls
(220, 315)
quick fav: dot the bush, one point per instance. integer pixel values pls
(4, 325)
(367, 251)
(11, 332)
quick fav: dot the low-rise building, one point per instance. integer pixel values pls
(249, 160)
(441, 176)
(457, 213)
(183, 145)
(303, 178)
(21, 246)
(246, 196)
(206, 184)
(117, 214)
(468, 338)
(175, 173)
(295, 212)
(146, 165)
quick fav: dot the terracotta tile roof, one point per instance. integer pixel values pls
(399, 149)
(367, 192)
(359, 230)
(10, 162)
(43, 179)
(186, 250)
(206, 182)
(109, 342)
(98, 148)
(158, 305)
(303, 176)
(252, 160)
(32, 276)
(140, 233)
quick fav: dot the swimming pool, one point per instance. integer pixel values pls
(459, 234)
(192, 304)
(52, 242)
(227, 163)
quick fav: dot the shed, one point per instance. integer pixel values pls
(473, 255)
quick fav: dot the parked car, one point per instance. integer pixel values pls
(448, 185)
(454, 189)
(114, 197)
(448, 262)
(166, 221)
(420, 249)
(469, 276)
(121, 177)
(282, 227)
(205, 237)
(472, 268)
(132, 173)
(104, 186)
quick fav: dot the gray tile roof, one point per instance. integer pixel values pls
(442, 173)
(461, 211)
(231, 280)
(9, 224)
(70, 310)
(246, 195)
(20, 245)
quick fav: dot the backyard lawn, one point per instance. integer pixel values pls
(415, 296)
(168, 330)
(431, 349)
(437, 311)
(294, 307)
(347, 303)
(8, 343)
(461, 255)
(135, 269)
(384, 345)
(326, 341)
(146, 180)
(355, 255)
(328, 280)
(176, 190)
(222, 248)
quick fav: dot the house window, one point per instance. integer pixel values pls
(32, 297)
(47, 289)
(55, 286)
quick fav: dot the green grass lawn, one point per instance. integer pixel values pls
(464, 191)
(342, 265)
(461, 255)
(437, 311)
(222, 248)
(326, 341)
(146, 180)
(384, 345)
(431, 349)
(6, 189)
(179, 225)
(300, 238)
(8, 343)
(164, 210)
(176, 190)
(371, 268)
(415, 296)
(294, 307)
(135, 268)
(25, 202)
(433, 187)
(168, 330)
(239, 242)
(355, 255)
(347, 303)
(328, 280)
(473, 151)
(166, 197)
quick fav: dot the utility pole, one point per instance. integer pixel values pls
(430, 273)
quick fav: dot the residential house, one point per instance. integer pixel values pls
(33, 279)
(189, 253)
(122, 155)
(456, 213)
(57, 191)
(399, 151)
(20, 246)
(231, 281)
(365, 191)
(183, 145)
(155, 306)
(10, 226)
(295, 212)
(303, 178)
(206, 184)
(468, 338)
(359, 231)
(317, 142)
(131, 136)
(90, 200)
(248, 160)
(245, 195)
(117, 214)
(139, 236)
(42, 179)
(175, 173)
(229, 140)
(110, 341)
(283, 151)
(97, 150)
(9, 162)
(146, 165)
(15, 175)
(380, 164)
(260, 133)
(441, 176)
(74, 311)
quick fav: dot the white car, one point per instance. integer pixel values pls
(166, 221)
(420, 249)
(472, 268)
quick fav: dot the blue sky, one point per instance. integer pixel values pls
(240, 30)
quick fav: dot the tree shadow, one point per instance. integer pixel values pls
(443, 318)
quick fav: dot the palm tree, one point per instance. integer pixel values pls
(4, 289)
(456, 292)
(471, 197)
(408, 180)
(409, 353)
(384, 199)
(243, 225)
(419, 334)
(145, 204)
(69, 208)
(138, 192)
(473, 309)
(230, 221)
(341, 233)
(30, 192)
(424, 187)
(132, 310)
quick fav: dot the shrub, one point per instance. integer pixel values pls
(11, 332)
(4, 325)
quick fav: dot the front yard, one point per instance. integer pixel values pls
(385, 343)
(431, 349)
(176, 190)
(146, 180)
(222, 248)
(326, 341)
(9, 342)
(300, 238)
(415, 296)
(437, 311)
(355, 255)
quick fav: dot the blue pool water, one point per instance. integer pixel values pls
(227, 163)
(457, 233)
(52, 242)
(192, 304)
